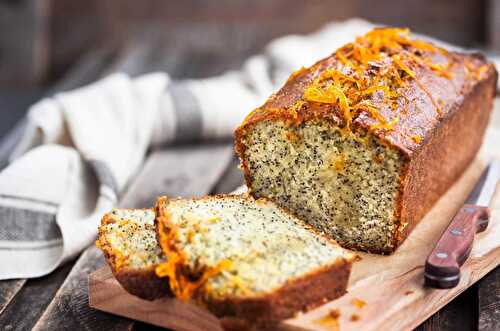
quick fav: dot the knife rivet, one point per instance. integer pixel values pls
(456, 232)
(442, 255)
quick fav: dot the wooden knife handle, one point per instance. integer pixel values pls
(442, 268)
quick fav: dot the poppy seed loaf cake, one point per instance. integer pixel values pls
(127, 238)
(363, 143)
(247, 258)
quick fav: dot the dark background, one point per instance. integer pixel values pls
(41, 39)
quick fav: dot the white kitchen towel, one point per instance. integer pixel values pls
(80, 148)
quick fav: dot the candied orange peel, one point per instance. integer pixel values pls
(182, 285)
(380, 62)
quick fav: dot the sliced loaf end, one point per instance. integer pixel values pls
(128, 240)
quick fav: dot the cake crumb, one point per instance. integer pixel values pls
(334, 313)
(358, 303)
(214, 219)
(291, 136)
(355, 318)
(378, 158)
(339, 163)
(330, 320)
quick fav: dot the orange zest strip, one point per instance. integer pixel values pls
(417, 138)
(384, 125)
(176, 267)
(399, 61)
(343, 58)
(381, 60)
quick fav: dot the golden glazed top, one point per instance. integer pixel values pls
(384, 81)
(380, 62)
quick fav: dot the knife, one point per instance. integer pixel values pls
(442, 267)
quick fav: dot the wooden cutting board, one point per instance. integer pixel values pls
(384, 292)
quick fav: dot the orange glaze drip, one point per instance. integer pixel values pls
(382, 61)
(417, 138)
(181, 285)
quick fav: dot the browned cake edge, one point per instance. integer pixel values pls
(445, 154)
(141, 282)
(299, 294)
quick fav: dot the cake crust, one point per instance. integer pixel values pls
(143, 283)
(437, 132)
(299, 295)
(447, 152)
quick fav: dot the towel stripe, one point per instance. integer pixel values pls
(25, 224)
(107, 181)
(32, 203)
(187, 113)
(7, 245)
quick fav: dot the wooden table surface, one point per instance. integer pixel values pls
(59, 301)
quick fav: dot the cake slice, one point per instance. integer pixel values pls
(247, 258)
(364, 142)
(127, 238)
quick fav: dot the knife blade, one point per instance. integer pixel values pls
(484, 190)
(442, 267)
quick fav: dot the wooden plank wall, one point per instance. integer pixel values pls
(23, 43)
(232, 30)
(493, 19)
(40, 40)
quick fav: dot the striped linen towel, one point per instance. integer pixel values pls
(79, 149)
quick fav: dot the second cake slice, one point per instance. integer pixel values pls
(247, 258)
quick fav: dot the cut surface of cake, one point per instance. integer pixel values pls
(247, 258)
(364, 142)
